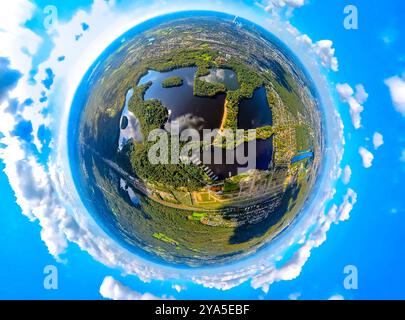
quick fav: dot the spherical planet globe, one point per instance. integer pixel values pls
(195, 139)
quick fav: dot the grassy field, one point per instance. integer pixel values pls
(303, 137)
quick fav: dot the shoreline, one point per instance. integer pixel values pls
(225, 115)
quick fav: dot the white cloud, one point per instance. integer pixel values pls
(367, 157)
(303, 38)
(361, 95)
(322, 48)
(35, 194)
(349, 200)
(354, 100)
(18, 44)
(282, 3)
(378, 140)
(178, 287)
(294, 296)
(396, 86)
(293, 267)
(326, 52)
(14, 37)
(39, 188)
(14, 13)
(347, 174)
(336, 297)
(115, 290)
(292, 30)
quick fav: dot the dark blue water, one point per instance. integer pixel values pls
(225, 76)
(190, 111)
(206, 113)
(258, 154)
(302, 156)
(255, 113)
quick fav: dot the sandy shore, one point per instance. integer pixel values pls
(221, 128)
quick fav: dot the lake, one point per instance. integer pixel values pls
(254, 113)
(260, 159)
(302, 156)
(206, 113)
(225, 76)
(190, 111)
(129, 124)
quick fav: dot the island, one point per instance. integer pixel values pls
(172, 82)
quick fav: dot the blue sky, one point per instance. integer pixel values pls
(372, 239)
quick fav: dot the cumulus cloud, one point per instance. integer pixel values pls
(19, 44)
(396, 86)
(367, 157)
(283, 3)
(326, 53)
(322, 48)
(302, 38)
(292, 268)
(349, 200)
(294, 296)
(378, 140)
(178, 287)
(361, 95)
(16, 40)
(15, 13)
(35, 194)
(347, 174)
(115, 290)
(40, 187)
(354, 100)
(8, 79)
